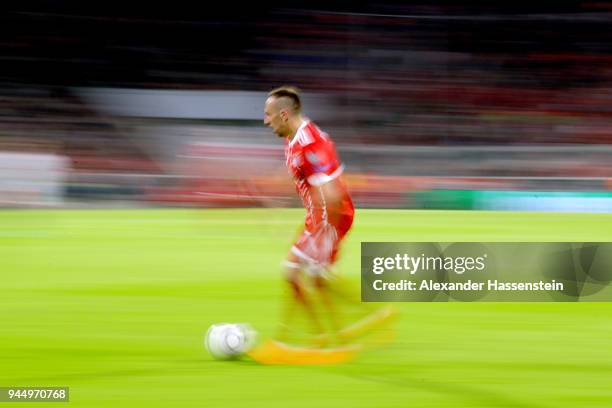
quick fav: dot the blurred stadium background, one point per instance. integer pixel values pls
(432, 105)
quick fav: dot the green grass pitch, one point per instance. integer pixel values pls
(114, 304)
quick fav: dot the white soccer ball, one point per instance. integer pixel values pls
(229, 340)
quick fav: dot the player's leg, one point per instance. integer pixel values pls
(351, 318)
(298, 297)
(332, 288)
(324, 245)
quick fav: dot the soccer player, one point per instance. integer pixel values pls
(313, 162)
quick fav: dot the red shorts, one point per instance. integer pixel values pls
(321, 245)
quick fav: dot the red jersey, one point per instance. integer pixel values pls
(313, 161)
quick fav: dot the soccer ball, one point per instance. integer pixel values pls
(229, 340)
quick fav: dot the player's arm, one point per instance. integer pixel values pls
(323, 172)
(329, 194)
(272, 190)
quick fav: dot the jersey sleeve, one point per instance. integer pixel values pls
(321, 163)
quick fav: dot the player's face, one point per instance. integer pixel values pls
(273, 118)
